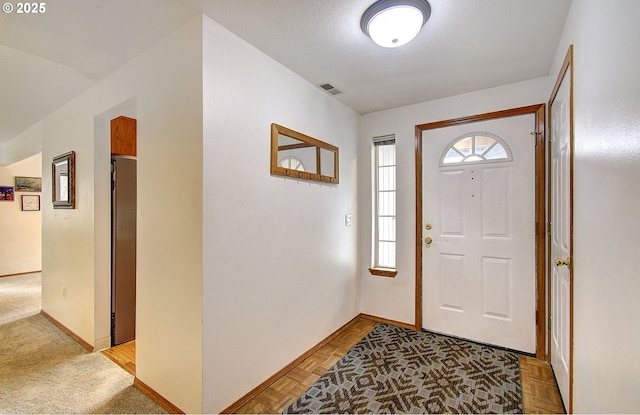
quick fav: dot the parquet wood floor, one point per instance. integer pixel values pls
(539, 389)
(540, 392)
(277, 397)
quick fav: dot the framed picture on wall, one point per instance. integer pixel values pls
(6, 194)
(30, 202)
(28, 184)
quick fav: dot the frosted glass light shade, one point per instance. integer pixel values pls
(395, 26)
(393, 23)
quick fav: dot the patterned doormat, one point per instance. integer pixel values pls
(395, 370)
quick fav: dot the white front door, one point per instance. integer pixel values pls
(560, 273)
(479, 212)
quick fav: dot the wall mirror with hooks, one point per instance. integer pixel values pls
(299, 156)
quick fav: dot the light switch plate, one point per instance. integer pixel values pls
(347, 220)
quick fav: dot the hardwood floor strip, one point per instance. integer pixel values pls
(233, 408)
(156, 397)
(66, 331)
(124, 355)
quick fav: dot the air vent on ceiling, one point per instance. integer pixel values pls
(330, 89)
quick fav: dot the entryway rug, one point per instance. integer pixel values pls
(396, 370)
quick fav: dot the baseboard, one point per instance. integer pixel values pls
(68, 332)
(391, 322)
(20, 273)
(156, 397)
(235, 407)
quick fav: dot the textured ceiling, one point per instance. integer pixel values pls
(466, 45)
(48, 59)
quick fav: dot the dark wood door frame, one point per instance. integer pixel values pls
(540, 210)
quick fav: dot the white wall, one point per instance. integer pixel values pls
(165, 82)
(394, 298)
(28, 144)
(169, 314)
(280, 269)
(21, 239)
(606, 282)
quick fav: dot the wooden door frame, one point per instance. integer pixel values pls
(540, 209)
(567, 68)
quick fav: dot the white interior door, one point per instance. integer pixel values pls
(479, 211)
(560, 273)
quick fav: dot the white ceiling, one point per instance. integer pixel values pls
(48, 59)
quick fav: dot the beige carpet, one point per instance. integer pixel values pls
(20, 296)
(42, 370)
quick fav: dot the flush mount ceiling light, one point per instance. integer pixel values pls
(393, 23)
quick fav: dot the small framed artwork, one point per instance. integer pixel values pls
(6, 194)
(28, 184)
(30, 202)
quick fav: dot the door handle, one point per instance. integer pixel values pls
(560, 262)
(428, 240)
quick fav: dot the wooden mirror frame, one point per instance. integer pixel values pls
(317, 175)
(70, 201)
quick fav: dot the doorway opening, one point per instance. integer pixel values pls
(123, 230)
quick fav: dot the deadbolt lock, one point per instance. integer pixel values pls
(428, 240)
(427, 226)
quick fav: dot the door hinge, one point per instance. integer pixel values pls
(113, 324)
(549, 323)
(549, 228)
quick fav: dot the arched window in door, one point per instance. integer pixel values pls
(475, 147)
(293, 163)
